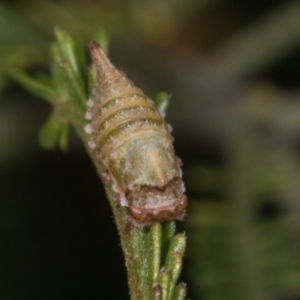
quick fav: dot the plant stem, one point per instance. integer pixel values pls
(145, 249)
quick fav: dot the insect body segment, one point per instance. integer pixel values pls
(133, 143)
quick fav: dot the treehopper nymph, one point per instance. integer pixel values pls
(132, 141)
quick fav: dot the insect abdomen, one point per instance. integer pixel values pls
(133, 143)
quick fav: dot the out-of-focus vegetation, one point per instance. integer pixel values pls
(233, 69)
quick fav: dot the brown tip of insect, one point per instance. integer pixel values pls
(99, 57)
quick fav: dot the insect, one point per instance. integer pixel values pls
(133, 144)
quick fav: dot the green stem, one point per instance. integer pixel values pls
(145, 249)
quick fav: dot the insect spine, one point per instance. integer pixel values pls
(133, 144)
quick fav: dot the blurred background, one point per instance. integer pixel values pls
(233, 69)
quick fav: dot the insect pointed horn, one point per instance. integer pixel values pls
(100, 59)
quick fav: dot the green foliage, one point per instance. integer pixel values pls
(54, 133)
(153, 255)
(162, 101)
(66, 90)
(156, 274)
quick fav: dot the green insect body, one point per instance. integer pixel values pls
(133, 143)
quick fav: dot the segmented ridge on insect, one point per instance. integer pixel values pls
(118, 108)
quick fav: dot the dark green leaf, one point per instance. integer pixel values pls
(40, 86)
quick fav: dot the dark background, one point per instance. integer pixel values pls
(233, 69)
